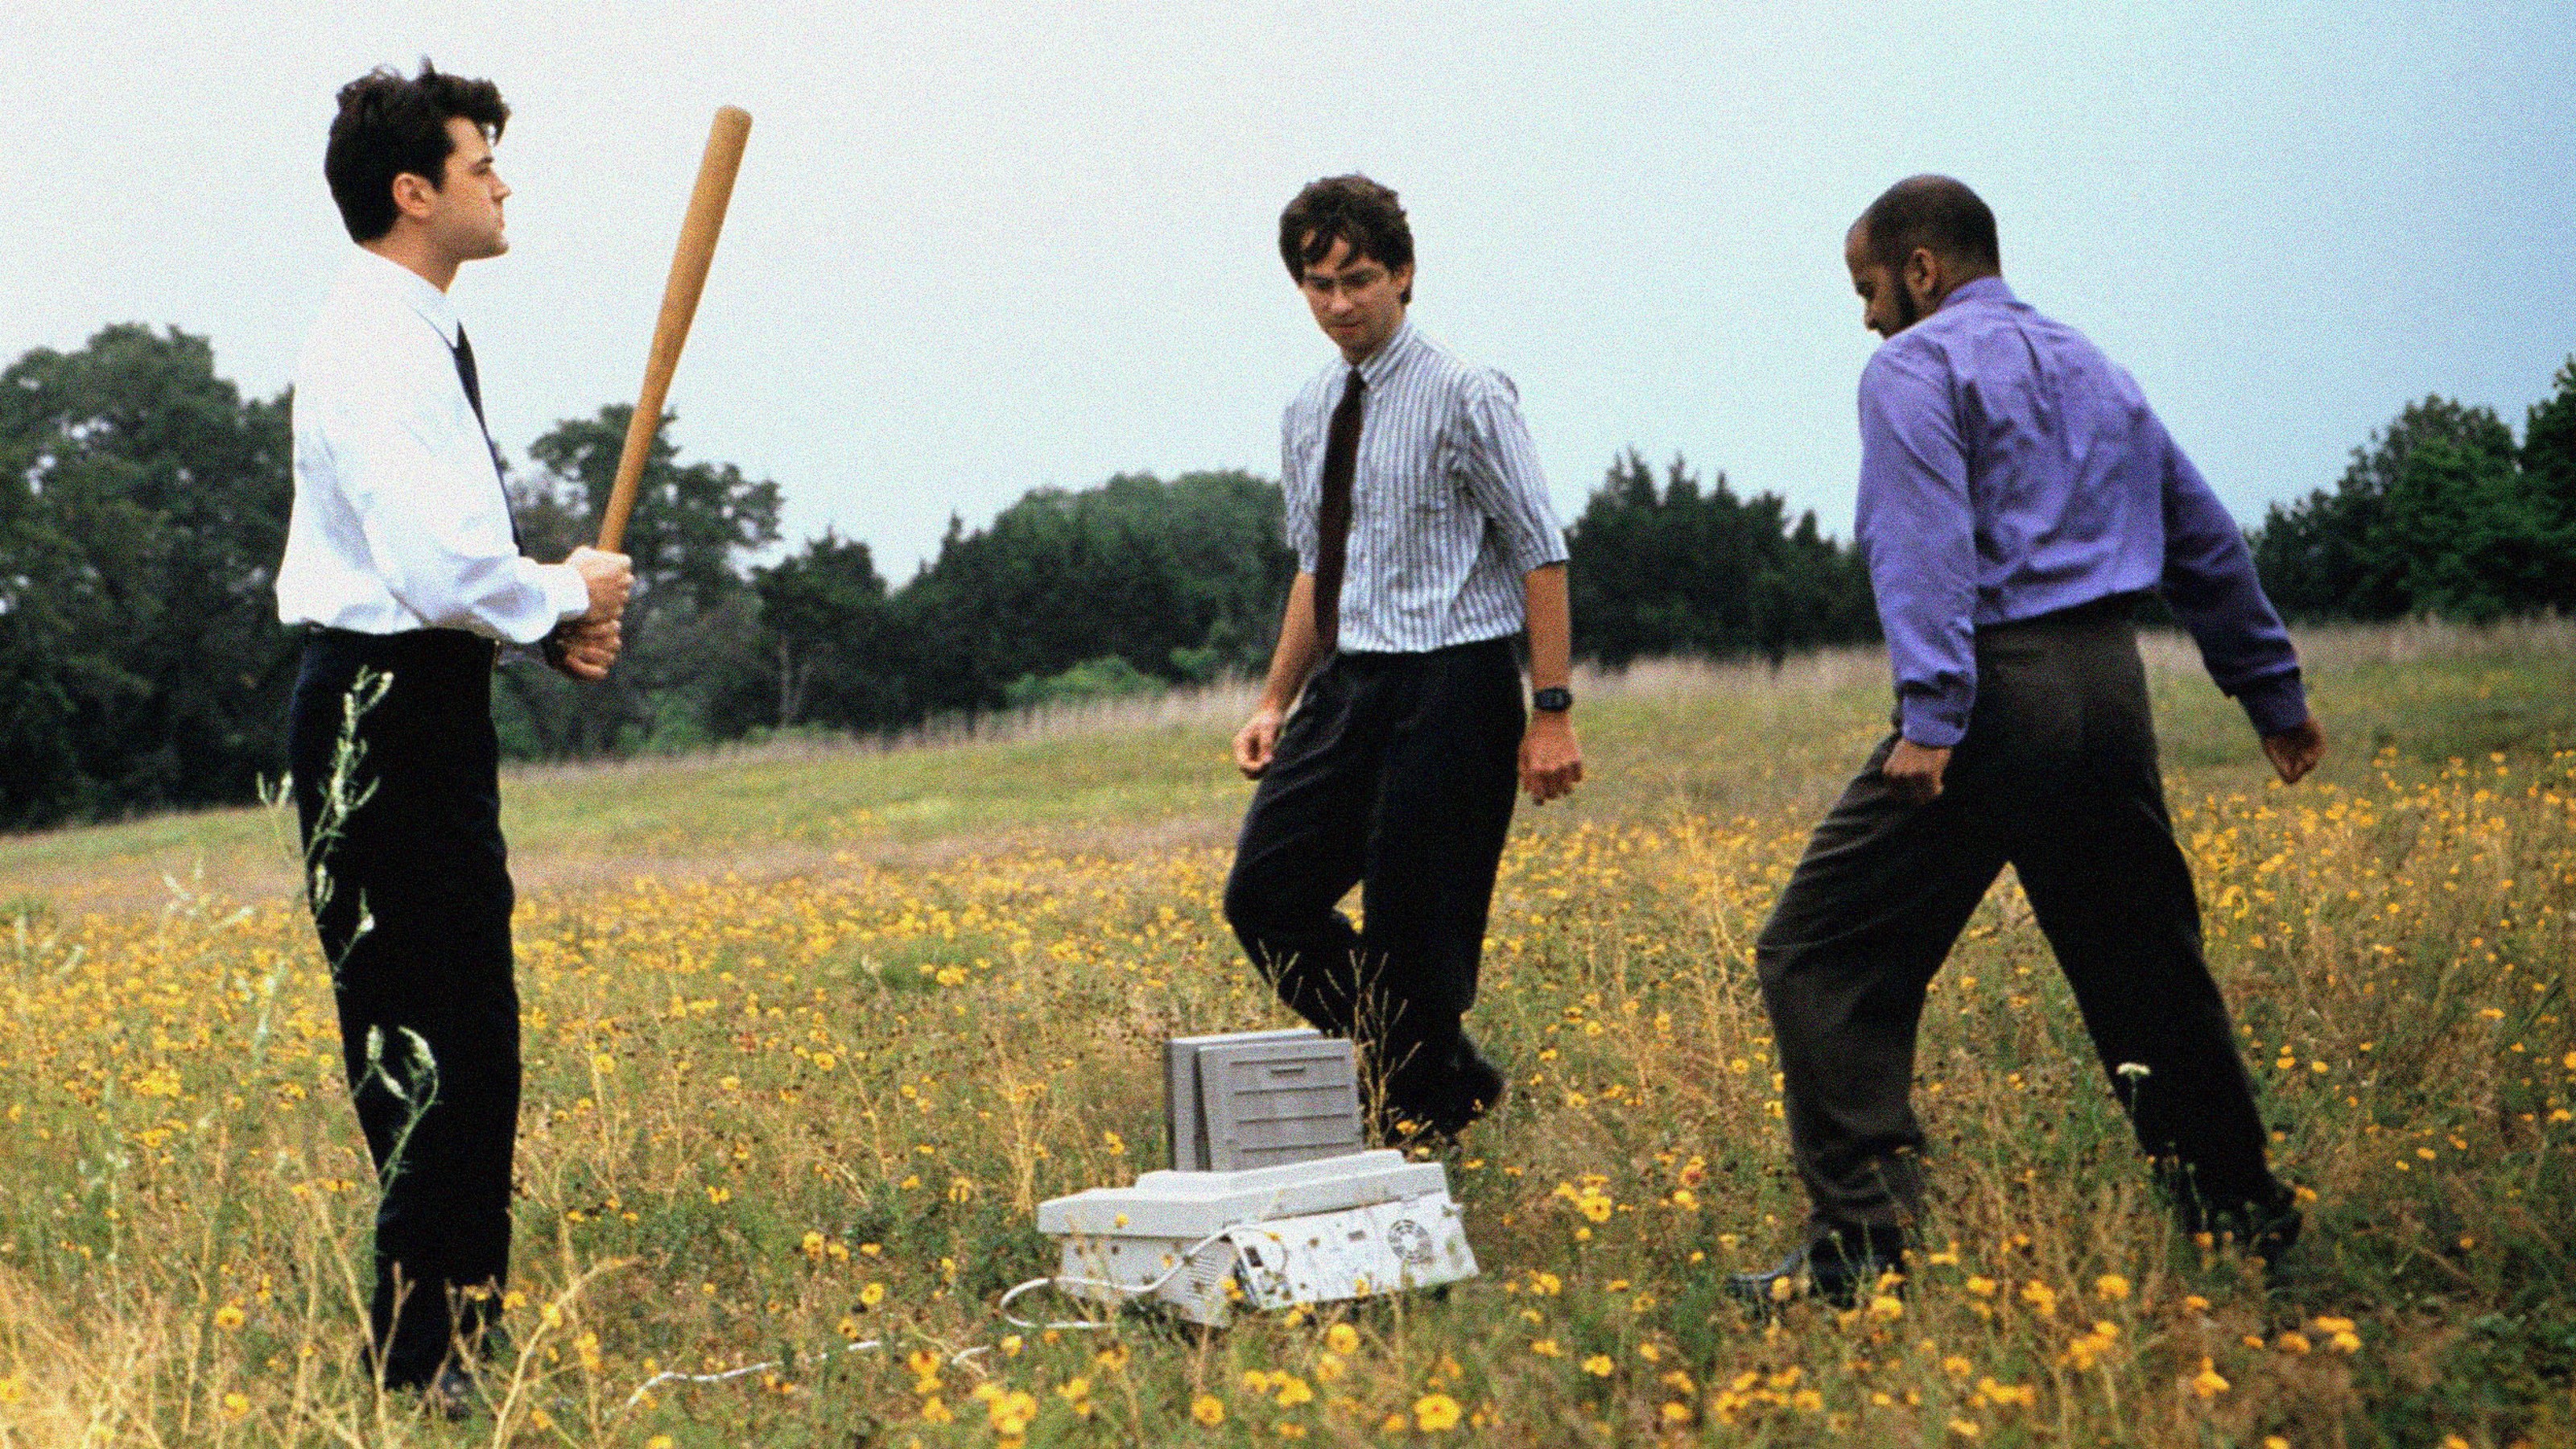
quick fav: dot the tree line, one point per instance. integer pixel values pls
(143, 505)
(2442, 513)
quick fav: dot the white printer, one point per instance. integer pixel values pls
(1272, 1197)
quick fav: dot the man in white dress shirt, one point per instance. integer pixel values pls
(403, 569)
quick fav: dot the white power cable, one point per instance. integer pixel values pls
(674, 1376)
(1128, 1290)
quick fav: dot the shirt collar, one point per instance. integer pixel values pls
(394, 281)
(1983, 289)
(1387, 358)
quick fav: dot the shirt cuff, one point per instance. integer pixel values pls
(567, 591)
(1924, 721)
(1529, 555)
(2275, 703)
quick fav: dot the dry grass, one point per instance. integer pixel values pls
(775, 1109)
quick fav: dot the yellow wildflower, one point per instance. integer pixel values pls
(2026, 1395)
(1011, 1412)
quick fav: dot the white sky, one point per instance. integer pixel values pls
(980, 247)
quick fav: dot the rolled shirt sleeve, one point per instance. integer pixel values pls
(1500, 471)
(440, 543)
(2210, 585)
(1917, 528)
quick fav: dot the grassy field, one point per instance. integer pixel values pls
(810, 1030)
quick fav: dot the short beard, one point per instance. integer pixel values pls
(1907, 314)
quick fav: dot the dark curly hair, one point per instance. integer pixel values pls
(1347, 208)
(391, 124)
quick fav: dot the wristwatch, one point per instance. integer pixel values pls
(1552, 701)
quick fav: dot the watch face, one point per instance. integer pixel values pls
(1552, 701)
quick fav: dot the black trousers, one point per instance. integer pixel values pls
(412, 899)
(2057, 775)
(1396, 773)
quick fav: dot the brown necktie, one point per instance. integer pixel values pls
(1333, 520)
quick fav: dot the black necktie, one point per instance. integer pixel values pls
(1333, 519)
(465, 373)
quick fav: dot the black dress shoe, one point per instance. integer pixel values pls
(2270, 1236)
(453, 1395)
(2262, 1231)
(1433, 1104)
(1475, 1086)
(1834, 1265)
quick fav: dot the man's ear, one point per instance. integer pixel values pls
(1922, 279)
(1403, 278)
(413, 195)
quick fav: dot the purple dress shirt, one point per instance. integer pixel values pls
(2008, 470)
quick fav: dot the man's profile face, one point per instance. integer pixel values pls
(1886, 308)
(464, 217)
(1358, 301)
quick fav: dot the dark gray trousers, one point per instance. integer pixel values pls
(2057, 776)
(1395, 773)
(423, 857)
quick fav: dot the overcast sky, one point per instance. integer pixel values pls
(977, 248)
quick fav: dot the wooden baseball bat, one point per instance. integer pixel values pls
(679, 305)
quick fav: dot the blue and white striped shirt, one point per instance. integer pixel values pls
(1449, 512)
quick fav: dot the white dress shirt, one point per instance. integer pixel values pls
(1449, 512)
(400, 520)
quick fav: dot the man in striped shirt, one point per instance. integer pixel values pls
(1425, 546)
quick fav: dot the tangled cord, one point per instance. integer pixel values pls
(674, 1376)
(963, 1357)
(1130, 1290)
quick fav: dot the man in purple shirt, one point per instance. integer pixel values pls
(2017, 499)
